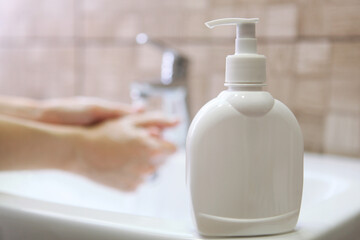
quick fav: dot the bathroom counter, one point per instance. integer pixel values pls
(58, 205)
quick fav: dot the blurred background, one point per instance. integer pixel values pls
(61, 48)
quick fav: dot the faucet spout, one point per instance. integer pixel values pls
(174, 64)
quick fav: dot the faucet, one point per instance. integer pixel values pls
(174, 64)
(169, 93)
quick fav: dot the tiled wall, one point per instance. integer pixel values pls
(56, 48)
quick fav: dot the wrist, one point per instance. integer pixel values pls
(72, 159)
(20, 107)
(81, 143)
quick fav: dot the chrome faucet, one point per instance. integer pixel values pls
(174, 64)
(169, 93)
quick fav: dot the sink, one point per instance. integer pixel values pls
(58, 205)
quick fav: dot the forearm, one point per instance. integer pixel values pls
(30, 145)
(20, 107)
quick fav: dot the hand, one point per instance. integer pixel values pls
(71, 111)
(82, 111)
(121, 153)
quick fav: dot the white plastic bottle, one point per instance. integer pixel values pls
(244, 151)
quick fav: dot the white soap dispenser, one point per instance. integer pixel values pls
(244, 151)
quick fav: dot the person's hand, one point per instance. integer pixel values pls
(121, 153)
(81, 111)
(67, 111)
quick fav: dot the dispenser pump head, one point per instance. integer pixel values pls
(245, 32)
(245, 66)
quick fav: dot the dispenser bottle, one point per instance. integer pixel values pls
(244, 151)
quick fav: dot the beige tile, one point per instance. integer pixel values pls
(199, 61)
(112, 6)
(198, 93)
(345, 83)
(109, 18)
(164, 23)
(37, 72)
(216, 85)
(341, 18)
(37, 18)
(279, 58)
(280, 77)
(126, 18)
(330, 18)
(108, 72)
(345, 95)
(253, 9)
(90, 6)
(342, 134)
(281, 20)
(277, 19)
(199, 75)
(217, 57)
(312, 127)
(168, 4)
(313, 58)
(216, 68)
(127, 27)
(311, 96)
(221, 3)
(148, 61)
(222, 11)
(281, 87)
(345, 61)
(194, 26)
(311, 18)
(262, 48)
(196, 5)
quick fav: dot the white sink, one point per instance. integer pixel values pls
(57, 205)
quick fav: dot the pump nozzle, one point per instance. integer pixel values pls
(245, 32)
(245, 66)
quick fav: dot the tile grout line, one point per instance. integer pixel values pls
(83, 42)
(79, 56)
